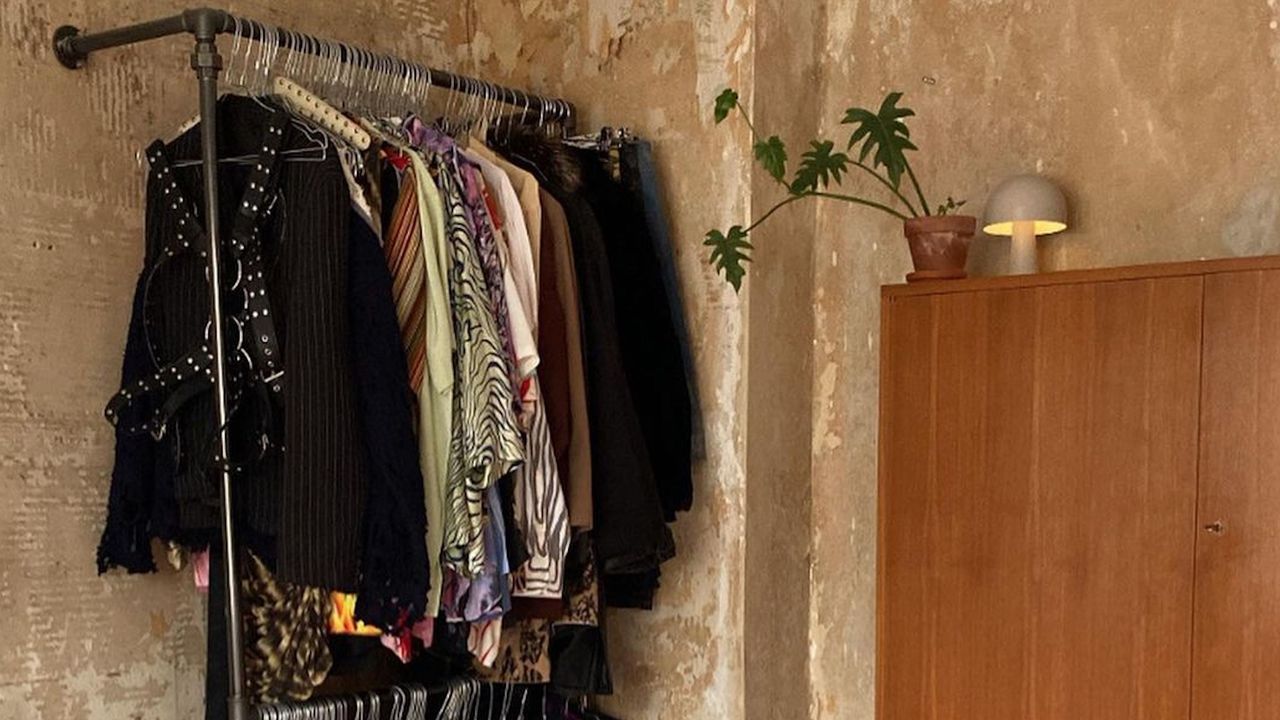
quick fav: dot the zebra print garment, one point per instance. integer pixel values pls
(486, 442)
(542, 512)
(506, 253)
(486, 245)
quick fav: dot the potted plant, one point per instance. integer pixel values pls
(938, 238)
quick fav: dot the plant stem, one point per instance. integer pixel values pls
(892, 189)
(912, 174)
(830, 196)
(773, 210)
(755, 138)
(860, 201)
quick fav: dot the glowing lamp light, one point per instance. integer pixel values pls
(1024, 207)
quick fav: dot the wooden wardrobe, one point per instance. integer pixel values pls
(1079, 496)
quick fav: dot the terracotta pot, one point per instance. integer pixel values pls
(939, 245)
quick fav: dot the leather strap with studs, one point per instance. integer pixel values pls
(192, 374)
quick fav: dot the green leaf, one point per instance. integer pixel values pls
(818, 167)
(729, 252)
(772, 154)
(884, 136)
(950, 206)
(726, 101)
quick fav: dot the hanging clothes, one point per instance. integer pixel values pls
(540, 509)
(404, 257)
(461, 396)
(567, 650)
(411, 262)
(527, 193)
(553, 372)
(639, 174)
(649, 344)
(303, 501)
(395, 567)
(579, 653)
(436, 397)
(564, 381)
(630, 533)
(523, 656)
(140, 504)
(286, 651)
(486, 442)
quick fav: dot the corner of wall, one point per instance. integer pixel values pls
(786, 100)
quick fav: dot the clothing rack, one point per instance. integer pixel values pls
(73, 47)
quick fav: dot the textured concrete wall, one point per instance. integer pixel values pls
(780, 359)
(76, 646)
(1156, 116)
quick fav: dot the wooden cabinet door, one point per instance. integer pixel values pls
(1237, 625)
(1037, 502)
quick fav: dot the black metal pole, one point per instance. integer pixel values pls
(72, 47)
(206, 61)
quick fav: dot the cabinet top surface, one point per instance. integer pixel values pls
(1110, 274)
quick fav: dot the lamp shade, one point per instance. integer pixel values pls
(1025, 198)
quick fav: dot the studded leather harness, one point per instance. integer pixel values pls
(254, 361)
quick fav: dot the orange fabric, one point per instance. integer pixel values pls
(342, 617)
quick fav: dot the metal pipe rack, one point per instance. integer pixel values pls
(73, 47)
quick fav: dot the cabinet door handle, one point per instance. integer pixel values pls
(1217, 527)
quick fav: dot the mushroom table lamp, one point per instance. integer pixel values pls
(1023, 207)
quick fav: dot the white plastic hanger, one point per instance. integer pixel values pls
(311, 107)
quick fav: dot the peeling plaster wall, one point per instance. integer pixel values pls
(780, 359)
(1155, 116)
(76, 646)
(655, 66)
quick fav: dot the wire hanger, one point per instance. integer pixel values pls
(252, 79)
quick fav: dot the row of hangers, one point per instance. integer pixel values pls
(460, 699)
(376, 85)
(324, 82)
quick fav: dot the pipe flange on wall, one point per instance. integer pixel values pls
(63, 50)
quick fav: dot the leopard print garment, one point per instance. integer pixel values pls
(523, 653)
(524, 649)
(582, 586)
(286, 647)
